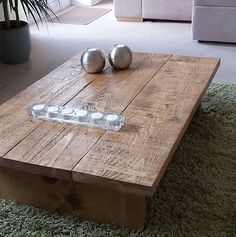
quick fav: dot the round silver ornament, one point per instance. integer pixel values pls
(93, 60)
(120, 56)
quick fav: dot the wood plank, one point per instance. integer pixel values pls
(175, 75)
(55, 149)
(86, 202)
(116, 89)
(58, 87)
(156, 122)
(130, 19)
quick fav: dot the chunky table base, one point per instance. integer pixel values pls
(84, 201)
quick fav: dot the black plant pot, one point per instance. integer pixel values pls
(15, 44)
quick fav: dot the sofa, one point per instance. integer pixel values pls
(214, 20)
(137, 10)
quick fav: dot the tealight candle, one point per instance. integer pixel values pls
(67, 113)
(112, 117)
(52, 111)
(81, 115)
(96, 117)
(38, 107)
(111, 120)
(82, 112)
(38, 110)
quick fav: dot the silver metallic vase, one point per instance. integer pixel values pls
(93, 60)
(120, 56)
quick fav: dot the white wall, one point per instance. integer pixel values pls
(1, 13)
(12, 16)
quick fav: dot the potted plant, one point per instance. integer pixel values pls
(15, 44)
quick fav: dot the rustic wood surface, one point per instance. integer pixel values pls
(58, 87)
(86, 202)
(159, 94)
(55, 149)
(156, 121)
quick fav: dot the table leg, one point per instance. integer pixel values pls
(87, 202)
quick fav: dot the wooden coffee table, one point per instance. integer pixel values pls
(100, 175)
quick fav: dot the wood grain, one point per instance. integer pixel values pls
(156, 122)
(109, 173)
(86, 202)
(130, 19)
(55, 149)
(58, 87)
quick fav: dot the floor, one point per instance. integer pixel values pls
(55, 44)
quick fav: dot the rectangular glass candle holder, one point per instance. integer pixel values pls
(76, 116)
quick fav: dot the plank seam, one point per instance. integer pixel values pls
(153, 187)
(146, 84)
(185, 126)
(65, 125)
(2, 157)
(122, 112)
(84, 87)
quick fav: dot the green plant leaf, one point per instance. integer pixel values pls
(11, 5)
(27, 6)
(32, 7)
(35, 8)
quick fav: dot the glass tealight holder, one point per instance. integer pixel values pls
(67, 114)
(96, 118)
(77, 116)
(111, 120)
(38, 110)
(81, 115)
(114, 121)
(53, 112)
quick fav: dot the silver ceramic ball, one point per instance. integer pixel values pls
(120, 56)
(93, 60)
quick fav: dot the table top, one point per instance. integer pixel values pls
(158, 95)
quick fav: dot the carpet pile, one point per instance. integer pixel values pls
(196, 196)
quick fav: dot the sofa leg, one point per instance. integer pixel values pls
(130, 19)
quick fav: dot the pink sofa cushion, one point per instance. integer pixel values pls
(217, 3)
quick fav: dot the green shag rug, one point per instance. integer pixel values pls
(196, 197)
